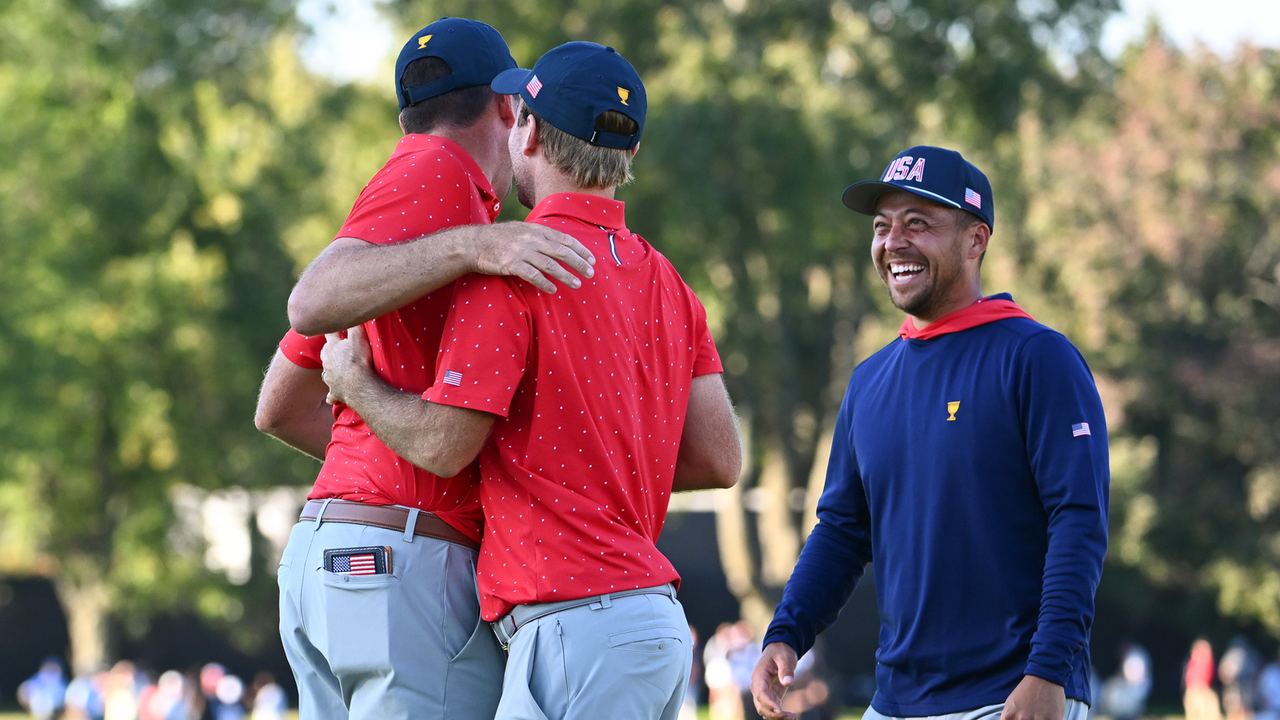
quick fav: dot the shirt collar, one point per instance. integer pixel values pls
(985, 310)
(590, 209)
(418, 142)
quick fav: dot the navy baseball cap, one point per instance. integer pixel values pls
(475, 52)
(935, 173)
(573, 84)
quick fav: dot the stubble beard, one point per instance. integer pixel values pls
(524, 185)
(501, 189)
(917, 304)
(926, 302)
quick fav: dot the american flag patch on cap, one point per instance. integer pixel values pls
(1080, 429)
(534, 86)
(975, 200)
(453, 377)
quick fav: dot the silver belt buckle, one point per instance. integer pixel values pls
(505, 629)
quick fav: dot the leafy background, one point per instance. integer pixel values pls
(169, 167)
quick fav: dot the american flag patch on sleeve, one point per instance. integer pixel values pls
(453, 377)
(1080, 429)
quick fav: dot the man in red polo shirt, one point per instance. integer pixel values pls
(379, 610)
(587, 409)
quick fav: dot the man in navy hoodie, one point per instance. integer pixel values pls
(970, 465)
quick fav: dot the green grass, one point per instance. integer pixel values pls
(704, 713)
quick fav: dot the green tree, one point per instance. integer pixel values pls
(159, 157)
(1152, 237)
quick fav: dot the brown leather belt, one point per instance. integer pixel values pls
(386, 516)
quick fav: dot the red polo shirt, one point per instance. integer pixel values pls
(594, 386)
(430, 183)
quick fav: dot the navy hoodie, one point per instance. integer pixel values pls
(972, 469)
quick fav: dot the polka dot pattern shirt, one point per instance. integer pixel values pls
(429, 183)
(594, 386)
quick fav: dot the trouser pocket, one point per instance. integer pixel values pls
(648, 640)
(359, 625)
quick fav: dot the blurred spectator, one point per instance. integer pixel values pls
(85, 697)
(744, 653)
(229, 693)
(168, 699)
(725, 695)
(689, 710)
(1238, 672)
(1124, 696)
(268, 699)
(1269, 691)
(210, 675)
(127, 693)
(121, 692)
(44, 694)
(1199, 701)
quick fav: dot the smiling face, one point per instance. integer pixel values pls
(927, 254)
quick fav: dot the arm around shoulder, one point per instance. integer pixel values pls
(353, 281)
(710, 453)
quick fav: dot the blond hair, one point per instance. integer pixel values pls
(592, 167)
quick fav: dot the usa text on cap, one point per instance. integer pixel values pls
(931, 172)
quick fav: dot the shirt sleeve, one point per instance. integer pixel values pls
(1066, 437)
(301, 350)
(410, 197)
(836, 553)
(484, 350)
(706, 359)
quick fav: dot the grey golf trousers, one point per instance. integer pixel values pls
(409, 644)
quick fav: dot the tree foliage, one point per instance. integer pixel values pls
(171, 168)
(157, 156)
(1152, 236)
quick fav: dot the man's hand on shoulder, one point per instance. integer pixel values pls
(1035, 699)
(532, 252)
(769, 681)
(346, 364)
(353, 281)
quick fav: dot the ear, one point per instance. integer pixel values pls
(529, 142)
(979, 237)
(402, 128)
(635, 150)
(506, 112)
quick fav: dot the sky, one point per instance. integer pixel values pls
(1221, 24)
(352, 41)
